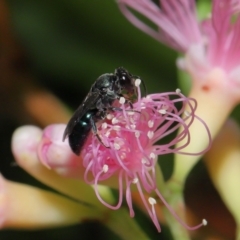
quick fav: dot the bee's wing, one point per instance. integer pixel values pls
(88, 103)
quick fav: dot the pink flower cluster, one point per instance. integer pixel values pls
(136, 137)
(133, 139)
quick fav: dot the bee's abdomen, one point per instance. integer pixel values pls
(79, 134)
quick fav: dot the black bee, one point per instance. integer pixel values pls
(98, 103)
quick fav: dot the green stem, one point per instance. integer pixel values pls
(174, 197)
(124, 226)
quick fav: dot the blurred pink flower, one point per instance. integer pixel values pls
(133, 137)
(211, 56)
(214, 42)
(175, 22)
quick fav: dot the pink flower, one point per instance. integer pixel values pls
(175, 21)
(136, 137)
(223, 34)
(211, 51)
(211, 43)
(56, 154)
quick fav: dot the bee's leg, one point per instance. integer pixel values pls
(131, 106)
(95, 132)
(120, 109)
(115, 109)
(129, 103)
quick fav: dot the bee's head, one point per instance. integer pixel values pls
(126, 82)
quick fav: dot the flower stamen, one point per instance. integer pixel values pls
(137, 82)
(162, 111)
(122, 100)
(150, 134)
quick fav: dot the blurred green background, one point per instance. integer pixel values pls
(70, 43)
